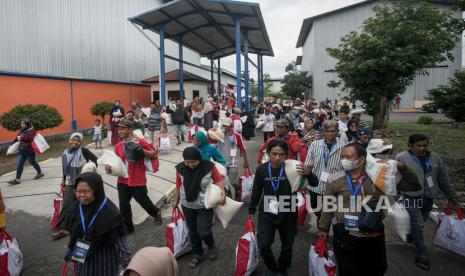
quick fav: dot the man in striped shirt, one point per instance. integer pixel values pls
(323, 159)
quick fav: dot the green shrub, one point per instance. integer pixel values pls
(451, 98)
(101, 109)
(41, 115)
(425, 120)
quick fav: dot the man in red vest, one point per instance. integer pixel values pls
(297, 151)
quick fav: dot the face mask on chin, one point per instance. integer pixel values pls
(349, 165)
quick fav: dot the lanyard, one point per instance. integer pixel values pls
(232, 138)
(325, 156)
(68, 167)
(83, 222)
(427, 167)
(274, 184)
(360, 179)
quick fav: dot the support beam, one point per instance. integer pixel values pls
(238, 65)
(261, 76)
(246, 70)
(212, 78)
(162, 65)
(219, 78)
(73, 118)
(181, 70)
(259, 80)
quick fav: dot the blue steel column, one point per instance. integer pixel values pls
(261, 76)
(219, 78)
(162, 65)
(259, 79)
(212, 77)
(73, 119)
(246, 70)
(181, 70)
(238, 65)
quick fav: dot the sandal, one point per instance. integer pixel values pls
(39, 175)
(158, 219)
(14, 182)
(60, 234)
(212, 254)
(194, 262)
(422, 262)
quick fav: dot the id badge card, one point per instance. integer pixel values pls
(324, 176)
(273, 206)
(233, 152)
(351, 222)
(80, 251)
(429, 180)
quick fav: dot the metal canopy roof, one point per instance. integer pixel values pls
(208, 26)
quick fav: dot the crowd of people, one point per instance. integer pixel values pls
(328, 138)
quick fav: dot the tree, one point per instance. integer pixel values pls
(296, 82)
(267, 84)
(42, 117)
(101, 109)
(451, 98)
(403, 39)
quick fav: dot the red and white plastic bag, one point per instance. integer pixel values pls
(11, 258)
(301, 208)
(39, 145)
(246, 185)
(177, 234)
(319, 260)
(57, 201)
(451, 231)
(247, 251)
(192, 130)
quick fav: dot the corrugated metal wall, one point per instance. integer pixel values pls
(81, 38)
(326, 33)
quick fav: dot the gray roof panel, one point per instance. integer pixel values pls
(207, 26)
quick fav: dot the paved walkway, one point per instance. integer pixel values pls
(28, 220)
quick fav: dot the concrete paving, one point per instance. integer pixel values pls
(30, 224)
(35, 196)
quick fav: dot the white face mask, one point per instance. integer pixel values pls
(349, 165)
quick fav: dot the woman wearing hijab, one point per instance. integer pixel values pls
(208, 114)
(193, 176)
(351, 135)
(149, 261)
(116, 114)
(248, 128)
(97, 233)
(25, 137)
(73, 159)
(207, 151)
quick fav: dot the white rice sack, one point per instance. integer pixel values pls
(297, 181)
(89, 167)
(117, 165)
(138, 133)
(13, 148)
(212, 196)
(227, 211)
(221, 169)
(402, 220)
(146, 111)
(167, 118)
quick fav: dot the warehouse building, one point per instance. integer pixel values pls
(325, 31)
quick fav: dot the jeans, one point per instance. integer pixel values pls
(199, 223)
(125, 194)
(265, 238)
(31, 157)
(418, 215)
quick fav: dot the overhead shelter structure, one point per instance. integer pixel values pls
(215, 29)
